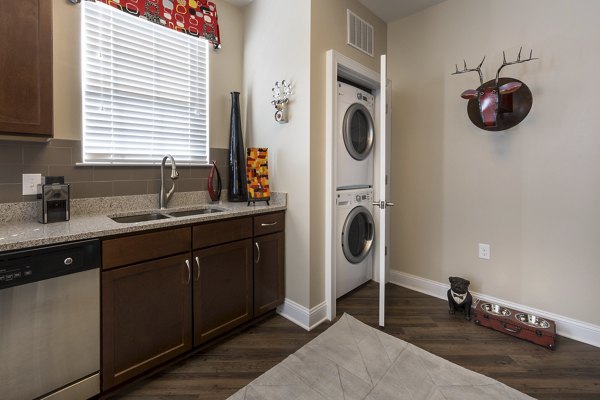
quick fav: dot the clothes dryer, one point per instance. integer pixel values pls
(355, 136)
(354, 239)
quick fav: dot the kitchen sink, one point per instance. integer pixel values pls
(129, 219)
(195, 212)
(140, 218)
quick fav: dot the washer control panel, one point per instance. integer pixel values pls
(354, 197)
(349, 93)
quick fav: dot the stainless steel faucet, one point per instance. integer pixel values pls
(165, 197)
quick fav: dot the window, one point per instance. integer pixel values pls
(145, 90)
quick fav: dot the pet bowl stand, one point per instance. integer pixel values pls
(520, 324)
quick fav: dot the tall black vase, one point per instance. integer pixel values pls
(237, 155)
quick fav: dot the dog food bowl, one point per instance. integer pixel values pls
(495, 309)
(532, 320)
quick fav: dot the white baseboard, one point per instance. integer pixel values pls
(565, 326)
(302, 316)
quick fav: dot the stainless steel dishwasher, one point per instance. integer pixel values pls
(50, 322)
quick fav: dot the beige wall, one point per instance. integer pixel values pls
(225, 70)
(531, 192)
(277, 47)
(66, 75)
(328, 31)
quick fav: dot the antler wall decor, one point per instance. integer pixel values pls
(498, 104)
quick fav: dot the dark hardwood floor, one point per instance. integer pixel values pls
(570, 372)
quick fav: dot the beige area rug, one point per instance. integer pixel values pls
(351, 360)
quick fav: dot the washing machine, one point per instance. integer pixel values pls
(354, 239)
(355, 136)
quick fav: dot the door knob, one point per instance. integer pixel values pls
(383, 204)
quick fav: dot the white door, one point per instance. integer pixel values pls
(383, 186)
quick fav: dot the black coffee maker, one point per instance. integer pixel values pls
(54, 196)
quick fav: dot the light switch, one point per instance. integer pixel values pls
(30, 182)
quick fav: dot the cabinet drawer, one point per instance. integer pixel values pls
(269, 223)
(219, 232)
(146, 246)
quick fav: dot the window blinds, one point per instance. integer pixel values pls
(145, 91)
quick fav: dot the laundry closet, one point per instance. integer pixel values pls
(355, 226)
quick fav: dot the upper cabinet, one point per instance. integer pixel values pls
(26, 68)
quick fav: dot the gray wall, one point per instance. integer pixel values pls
(59, 157)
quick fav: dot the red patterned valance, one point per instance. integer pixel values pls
(194, 17)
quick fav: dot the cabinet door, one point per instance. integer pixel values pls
(147, 316)
(222, 289)
(268, 272)
(26, 67)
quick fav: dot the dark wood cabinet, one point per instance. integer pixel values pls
(26, 68)
(145, 246)
(146, 316)
(223, 276)
(167, 291)
(269, 262)
(219, 232)
(222, 289)
(268, 272)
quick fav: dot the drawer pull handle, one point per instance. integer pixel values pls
(198, 264)
(516, 330)
(189, 269)
(258, 252)
(270, 224)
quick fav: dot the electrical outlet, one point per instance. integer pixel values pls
(484, 251)
(30, 182)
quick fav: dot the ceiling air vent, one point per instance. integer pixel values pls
(360, 33)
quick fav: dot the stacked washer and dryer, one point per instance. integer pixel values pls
(355, 230)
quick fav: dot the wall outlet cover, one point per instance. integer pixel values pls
(484, 251)
(30, 182)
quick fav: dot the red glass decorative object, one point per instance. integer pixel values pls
(215, 195)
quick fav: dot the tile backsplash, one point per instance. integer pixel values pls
(58, 157)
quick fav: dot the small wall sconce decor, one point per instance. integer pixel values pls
(281, 94)
(500, 103)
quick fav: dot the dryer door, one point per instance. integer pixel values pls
(357, 234)
(358, 131)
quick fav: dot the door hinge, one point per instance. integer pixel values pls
(386, 179)
(386, 250)
(387, 108)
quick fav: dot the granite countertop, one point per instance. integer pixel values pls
(90, 218)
